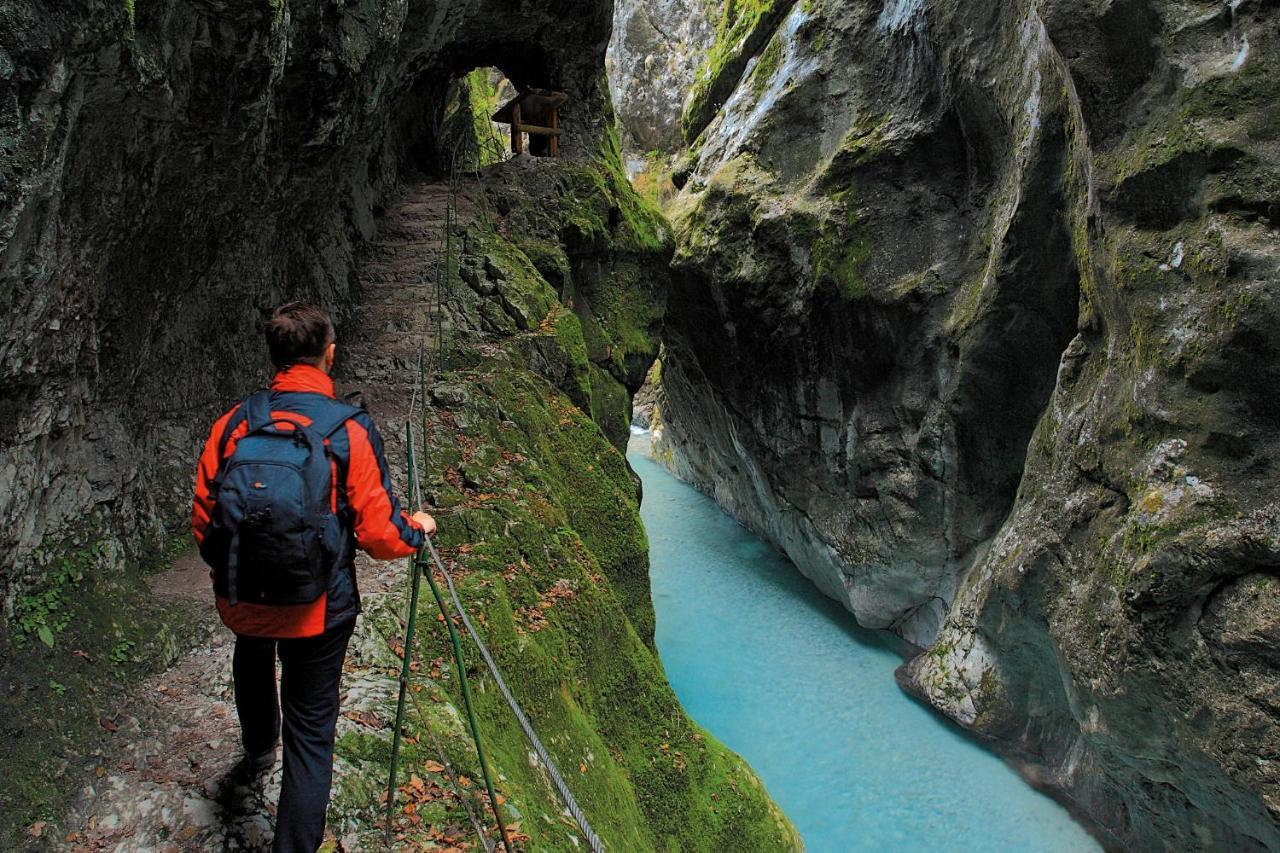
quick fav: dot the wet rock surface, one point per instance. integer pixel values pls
(979, 328)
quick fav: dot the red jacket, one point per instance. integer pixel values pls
(361, 494)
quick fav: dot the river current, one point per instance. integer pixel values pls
(784, 677)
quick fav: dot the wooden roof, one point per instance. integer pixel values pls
(535, 106)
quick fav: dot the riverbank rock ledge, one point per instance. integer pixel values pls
(975, 317)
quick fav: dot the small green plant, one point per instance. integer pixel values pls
(57, 687)
(44, 613)
(768, 64)
(122, 651)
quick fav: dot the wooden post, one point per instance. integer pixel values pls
(517, 135)
(555, 132)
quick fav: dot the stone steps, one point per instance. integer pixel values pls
(398, 285)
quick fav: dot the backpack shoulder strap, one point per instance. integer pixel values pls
(334, 415)
(258, 410)
(242, 414)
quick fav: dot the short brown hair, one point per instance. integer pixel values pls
(298, 331)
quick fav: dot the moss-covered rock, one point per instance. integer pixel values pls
(602, 249)
(539, 524)
(743, 27)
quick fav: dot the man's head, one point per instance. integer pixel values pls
(300, 333)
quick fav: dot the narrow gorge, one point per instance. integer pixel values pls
(967, 307)
(973, 315)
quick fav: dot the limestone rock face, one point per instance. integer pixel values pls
(975, 317)
(656, 51)
(168, 170)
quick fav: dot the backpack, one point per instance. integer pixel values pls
(274, 537)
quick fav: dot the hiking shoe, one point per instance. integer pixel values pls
(253, 766)
(233, 791)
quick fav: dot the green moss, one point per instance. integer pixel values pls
(628, 315)
(866, 142)
(988, 687)
(1247, 96)
(741, 28)
(1250, 93)
(558, 512)
(549, 259)
(642, 227)
(654, 181)
(611, 407)
(77, 643)
(483, 96)
(1235, 306)
(572, 215)
(543, 529)
(1155, 144)
(524, 294)
(468, 137)
(766, 67)
(1250, 185)
(841, 251)
(568, 332)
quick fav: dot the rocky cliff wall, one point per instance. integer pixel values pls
(974, 317)
(653, 60)
(172, 169)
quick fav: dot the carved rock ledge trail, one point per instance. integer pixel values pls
(163, 784)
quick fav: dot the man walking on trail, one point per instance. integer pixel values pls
(290, 483)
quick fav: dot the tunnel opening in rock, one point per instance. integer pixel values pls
(458, 120)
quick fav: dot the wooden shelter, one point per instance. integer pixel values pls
(537, 113)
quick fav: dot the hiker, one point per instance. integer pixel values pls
(290, 482)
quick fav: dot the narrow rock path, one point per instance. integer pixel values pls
(163, 784)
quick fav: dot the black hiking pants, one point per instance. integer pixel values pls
(310, 669)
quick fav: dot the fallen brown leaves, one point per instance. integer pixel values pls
(533, 619)
(529, 619)
(514, 835)
(450, 839)
(365, 718)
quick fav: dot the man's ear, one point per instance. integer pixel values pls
(330, 353)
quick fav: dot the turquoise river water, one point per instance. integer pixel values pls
(784, 676)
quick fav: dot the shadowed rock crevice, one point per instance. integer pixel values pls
(1008, 359)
